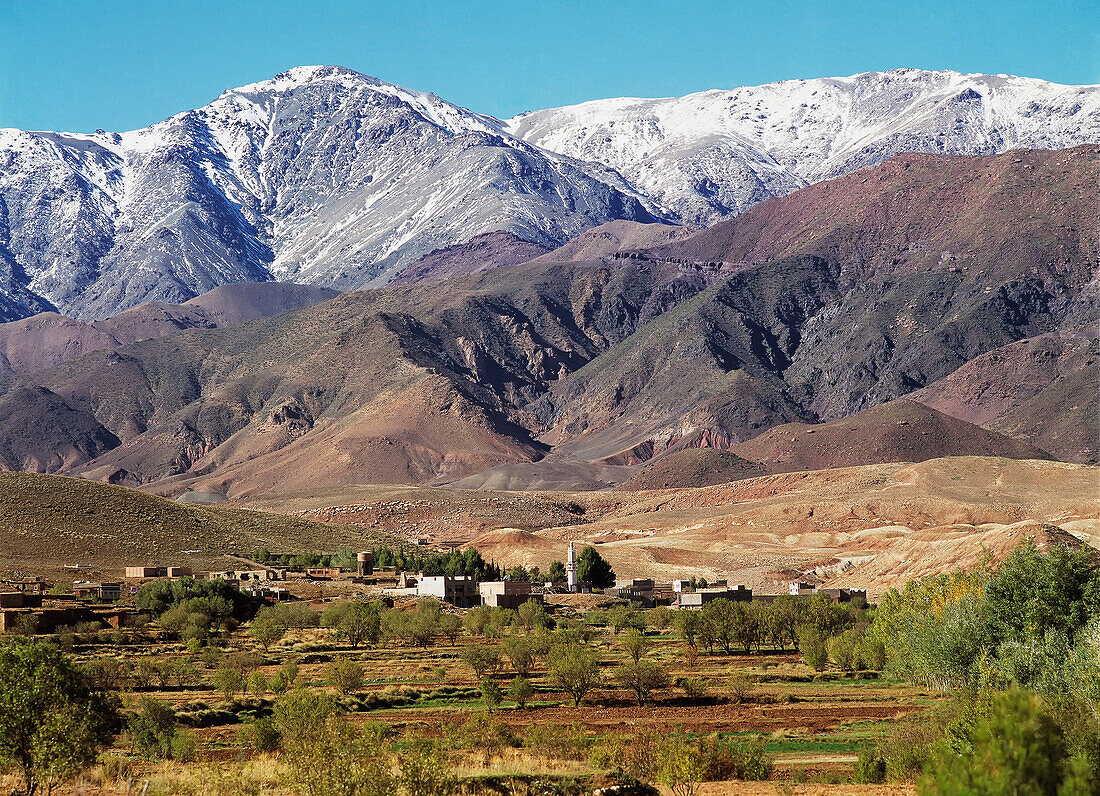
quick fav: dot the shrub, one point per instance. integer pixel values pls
(561, 742)
(491, 693)
(1018, 748)
(229, 682)
(740, 686)
(257, 683)
(345, 675)
(153, 728)
(424, 770)
(694, 687)
(739, 759)
(683, 766)
(520, 691)
(184, 746)
(340, 759)
(870, 765)
(908, 745)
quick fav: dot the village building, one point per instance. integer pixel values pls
(107, 592)
(324, 573)
(507, 593)
(697, 599)
(458, 590)
(146, 572)
(31, 585)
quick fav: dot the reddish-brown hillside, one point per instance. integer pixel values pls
(899, 431)
(480, 253)
(1045, 390)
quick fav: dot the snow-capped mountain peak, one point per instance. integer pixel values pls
(706, 155)
(325, 175)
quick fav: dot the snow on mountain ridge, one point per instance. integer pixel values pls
(324, 175)
(320, 175)
(714, 153)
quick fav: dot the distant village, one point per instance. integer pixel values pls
(31, 604)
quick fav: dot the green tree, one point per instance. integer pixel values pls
(634, 643)
(153, 728)
(575, 670)
(518, 573)
(345, 675)
(520, 691)
(229, 682)
(450, 625)
(53, 722)
(531, 615)
(482, 659)
(594, 570)
(1017, 749)
(556, 573)
(1033, 591)
(521, 654)
(355, 622)
(682, 766)
(268, 626)
(492, 694)
(643, 677)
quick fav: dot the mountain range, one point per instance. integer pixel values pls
(328, 177)
(932, 305)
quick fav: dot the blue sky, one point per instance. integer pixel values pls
(86, 64)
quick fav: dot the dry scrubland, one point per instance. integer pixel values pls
(869, 527)
(872, 527)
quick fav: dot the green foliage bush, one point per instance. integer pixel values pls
(53, 720)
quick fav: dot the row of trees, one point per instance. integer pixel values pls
(1018, 647)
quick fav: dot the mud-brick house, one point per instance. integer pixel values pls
(697, 599)
(506, 593)
(107, 592)
(31, 585)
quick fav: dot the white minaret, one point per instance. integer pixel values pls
(571, 568)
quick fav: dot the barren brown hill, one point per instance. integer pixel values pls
(50, 522)
(403, 384)
(615, 236)
(1045, 390)
(48, 339)
(693, 467)
(760, 531)
(481, 253)
(899, 431)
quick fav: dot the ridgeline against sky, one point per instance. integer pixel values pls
(124, 65)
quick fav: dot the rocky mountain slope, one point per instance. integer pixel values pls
(709, 155)
(565, 372)
(326, 176)
(48, 339)
(845, 295)
(319, 175)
